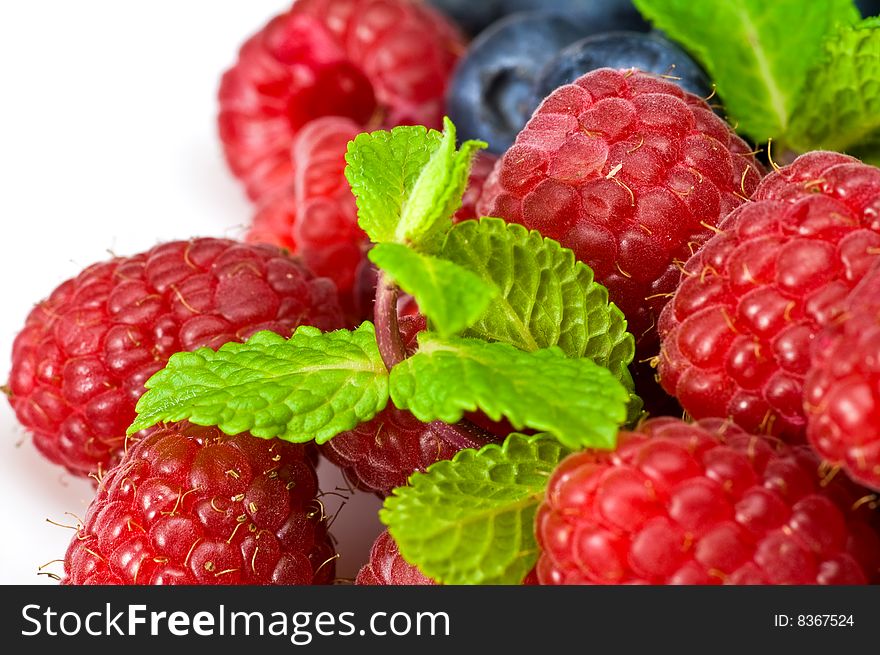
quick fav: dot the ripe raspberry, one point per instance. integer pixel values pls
(191, 505)
(316, 217)
(482, 167)
(631, 173)
(368, 60)
(80, 363)
(387, 567)
(842, 386)
(737, 333)
(703, 503)
(381, 454)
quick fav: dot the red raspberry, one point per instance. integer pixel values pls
(316, 218)
(386, 61)
(703, 503)
(80, 363)
(191, 505)
(737, 333)
(631, 173)
(842, 387)
(381, 454)
(387, 567)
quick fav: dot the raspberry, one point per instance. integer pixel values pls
(631, 173)
(386, 61)
(387, 566)
(80, 362)
(703, 503)
(381, 454)
(482, 167)
(316, 217)
(191, 505)
(842, 387)
(736, 335)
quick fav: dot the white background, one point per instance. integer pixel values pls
(108, 144)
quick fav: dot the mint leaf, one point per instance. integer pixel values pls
(408, 182)
(450, 296)
(438, 191)
(311, 386)
(383, 168)
(470, 520)
(581, 403)
(758, 53)
(547, 297)
(840, 109)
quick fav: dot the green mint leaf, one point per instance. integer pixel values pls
(408, 182)
(840, 109)
(438, 190)
(547, 297)
(470, 520)
(580, 403)
(451, 297)
(383, 168)
(311, 386)
(757, 52)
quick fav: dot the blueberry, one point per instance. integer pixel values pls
(593, 15)
(491, 95)
(472, 16)
(868, 7)
(649, 52)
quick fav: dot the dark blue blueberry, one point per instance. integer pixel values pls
(472, 16)
(868, 7)
(649, 52)
(491, 95)
(593, 15)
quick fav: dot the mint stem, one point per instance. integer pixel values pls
(390, 342)
(461, 435)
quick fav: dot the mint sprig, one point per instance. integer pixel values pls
(311, 386)
(470, 520)
(581, 403)
(542, 346)
(517, 329)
